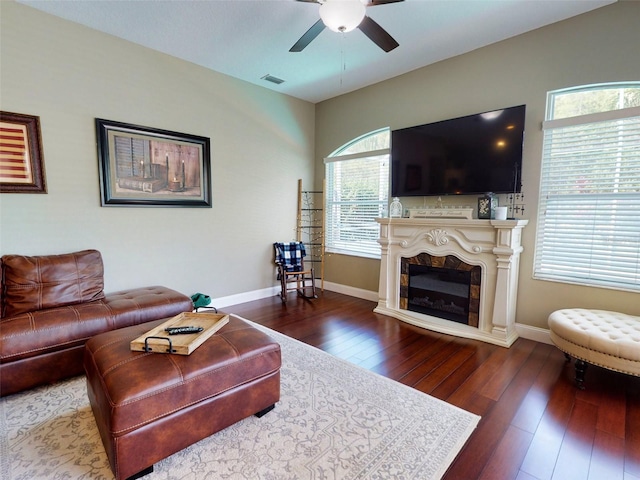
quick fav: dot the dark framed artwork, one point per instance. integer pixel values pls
(148, 167)
(21, 158)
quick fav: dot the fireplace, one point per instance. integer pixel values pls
(443, 287)
(476, 260)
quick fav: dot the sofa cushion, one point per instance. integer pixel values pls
(53, 329)
(49, 281)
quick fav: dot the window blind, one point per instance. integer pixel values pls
(589, 215)
(357, 193)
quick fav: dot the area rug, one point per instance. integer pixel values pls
(335, 421)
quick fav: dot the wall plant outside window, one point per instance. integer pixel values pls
(357, 179)
(589, 214)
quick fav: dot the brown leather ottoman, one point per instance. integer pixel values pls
(149, 406)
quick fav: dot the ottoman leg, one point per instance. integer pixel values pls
(141, 474)
(264, 411)
(581, 368)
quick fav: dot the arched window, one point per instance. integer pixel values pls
(357, 176)
(589, 214)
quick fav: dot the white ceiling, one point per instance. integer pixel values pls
(249, 39)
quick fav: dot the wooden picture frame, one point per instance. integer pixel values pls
(149, 167)
(21, 158)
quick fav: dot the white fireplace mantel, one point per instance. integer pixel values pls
(494, 245)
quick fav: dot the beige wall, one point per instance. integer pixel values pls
(261, 143)
(601, 46)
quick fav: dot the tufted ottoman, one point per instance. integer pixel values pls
(608, 339)
(149, 406)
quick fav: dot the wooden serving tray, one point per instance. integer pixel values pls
(180, 344)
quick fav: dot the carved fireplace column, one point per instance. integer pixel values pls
(507, 252)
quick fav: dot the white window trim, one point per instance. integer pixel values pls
(351, 156)
(591, 118)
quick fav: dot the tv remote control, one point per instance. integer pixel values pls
(183, 330)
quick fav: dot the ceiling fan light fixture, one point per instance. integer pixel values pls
(342, 15)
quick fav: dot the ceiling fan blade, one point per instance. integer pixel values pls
(309, 35)
(372, 3)
(377, 34)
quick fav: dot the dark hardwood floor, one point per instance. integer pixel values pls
(535, 423)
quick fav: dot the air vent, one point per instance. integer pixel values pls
(272, 79)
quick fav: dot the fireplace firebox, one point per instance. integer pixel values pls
(440, 292)
(443, 287)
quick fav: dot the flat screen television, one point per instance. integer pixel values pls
(468, 155)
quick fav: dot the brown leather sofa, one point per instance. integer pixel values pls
(51, 305)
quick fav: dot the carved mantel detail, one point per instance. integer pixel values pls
(494, 245)
(438, 237)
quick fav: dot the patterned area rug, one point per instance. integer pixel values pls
(335, 421)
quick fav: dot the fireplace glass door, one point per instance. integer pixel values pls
(439, 292)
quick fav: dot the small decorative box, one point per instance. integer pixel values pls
(487, 204)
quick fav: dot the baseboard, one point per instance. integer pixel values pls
(352, 291)
(525, 331)
(536, 334)
(244, 297)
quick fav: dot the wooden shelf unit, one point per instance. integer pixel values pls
(310, 227)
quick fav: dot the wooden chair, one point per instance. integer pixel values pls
(291, 270)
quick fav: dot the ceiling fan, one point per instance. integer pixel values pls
(344, 16)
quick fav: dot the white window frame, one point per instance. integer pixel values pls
(588, 226)
(361, 237)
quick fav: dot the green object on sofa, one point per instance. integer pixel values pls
(200, 300)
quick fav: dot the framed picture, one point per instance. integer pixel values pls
(147, 167)
(21, 160)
